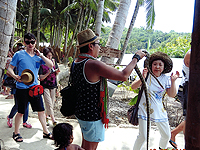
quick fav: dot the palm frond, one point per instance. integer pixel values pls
(112, 5)
(70, 7)
(150, 16)
(45, 11)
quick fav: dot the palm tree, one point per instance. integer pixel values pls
(117, 29)
(149, 19)
(7, 19)
(38, 24)
(99, 17)
(30, 15)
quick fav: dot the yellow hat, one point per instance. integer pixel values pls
(86, 37)
(27, 77)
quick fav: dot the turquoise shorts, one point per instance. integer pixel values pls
(93, 131)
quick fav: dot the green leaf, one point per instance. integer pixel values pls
(133, 100)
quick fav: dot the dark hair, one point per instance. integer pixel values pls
(29, 36)
(47, 50)
(85, 49)
(20, 44)
(62, 133)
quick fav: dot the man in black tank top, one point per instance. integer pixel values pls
(86, 75)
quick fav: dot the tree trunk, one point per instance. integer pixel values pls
(192, 131)
(88, 20)
(7, 15)
(51, 34)
(117, 29)
(66, 31)
(99, 17)
(79, 30)
(60, 36)
(30, 16)
(54, 32)
(74, 33)
(129, 32)
(87, 8)
(13, 33)
(56, 35)
(38, 24)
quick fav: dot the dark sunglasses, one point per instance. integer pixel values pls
(28, 42)
(98, 44)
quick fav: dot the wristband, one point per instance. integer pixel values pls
(137, 57)
(41, 54)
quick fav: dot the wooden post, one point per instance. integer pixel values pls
(192, 131)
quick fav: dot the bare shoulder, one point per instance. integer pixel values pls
(74, 147)
(187, 58)
(95, 63)
(95, 66)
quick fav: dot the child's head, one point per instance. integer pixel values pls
(62, 134)
(162, 59)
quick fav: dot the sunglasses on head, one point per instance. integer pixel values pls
(28, 42)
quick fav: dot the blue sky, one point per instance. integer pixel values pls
(174, 15)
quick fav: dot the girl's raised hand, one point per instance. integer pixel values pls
(144, 73)
(174, 77)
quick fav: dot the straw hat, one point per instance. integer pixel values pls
(27, 77)
(161, 56)
(86, 37)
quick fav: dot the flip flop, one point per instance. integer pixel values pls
(172, 143)
(9, 97)
(17, 137)
(48, 136)
(3, 93)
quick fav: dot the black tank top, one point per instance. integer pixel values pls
(88, 94)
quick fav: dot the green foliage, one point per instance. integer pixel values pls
(127, 86)
(70, 59)
(173, 43)
(133, 100)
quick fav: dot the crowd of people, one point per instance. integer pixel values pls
(87, 75)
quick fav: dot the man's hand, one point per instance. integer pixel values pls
(141, 53)
(17, 78)
(37, 52)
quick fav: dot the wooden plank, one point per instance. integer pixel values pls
(110, 52)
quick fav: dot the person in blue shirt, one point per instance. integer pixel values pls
(31, 59)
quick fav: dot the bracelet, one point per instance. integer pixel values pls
(137, 57)
(41, 54)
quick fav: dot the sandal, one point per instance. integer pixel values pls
(17, 137)
(9, 97)
(48, 136)
(3, 93)
(172, 143)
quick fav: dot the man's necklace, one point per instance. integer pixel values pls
(84, 55)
